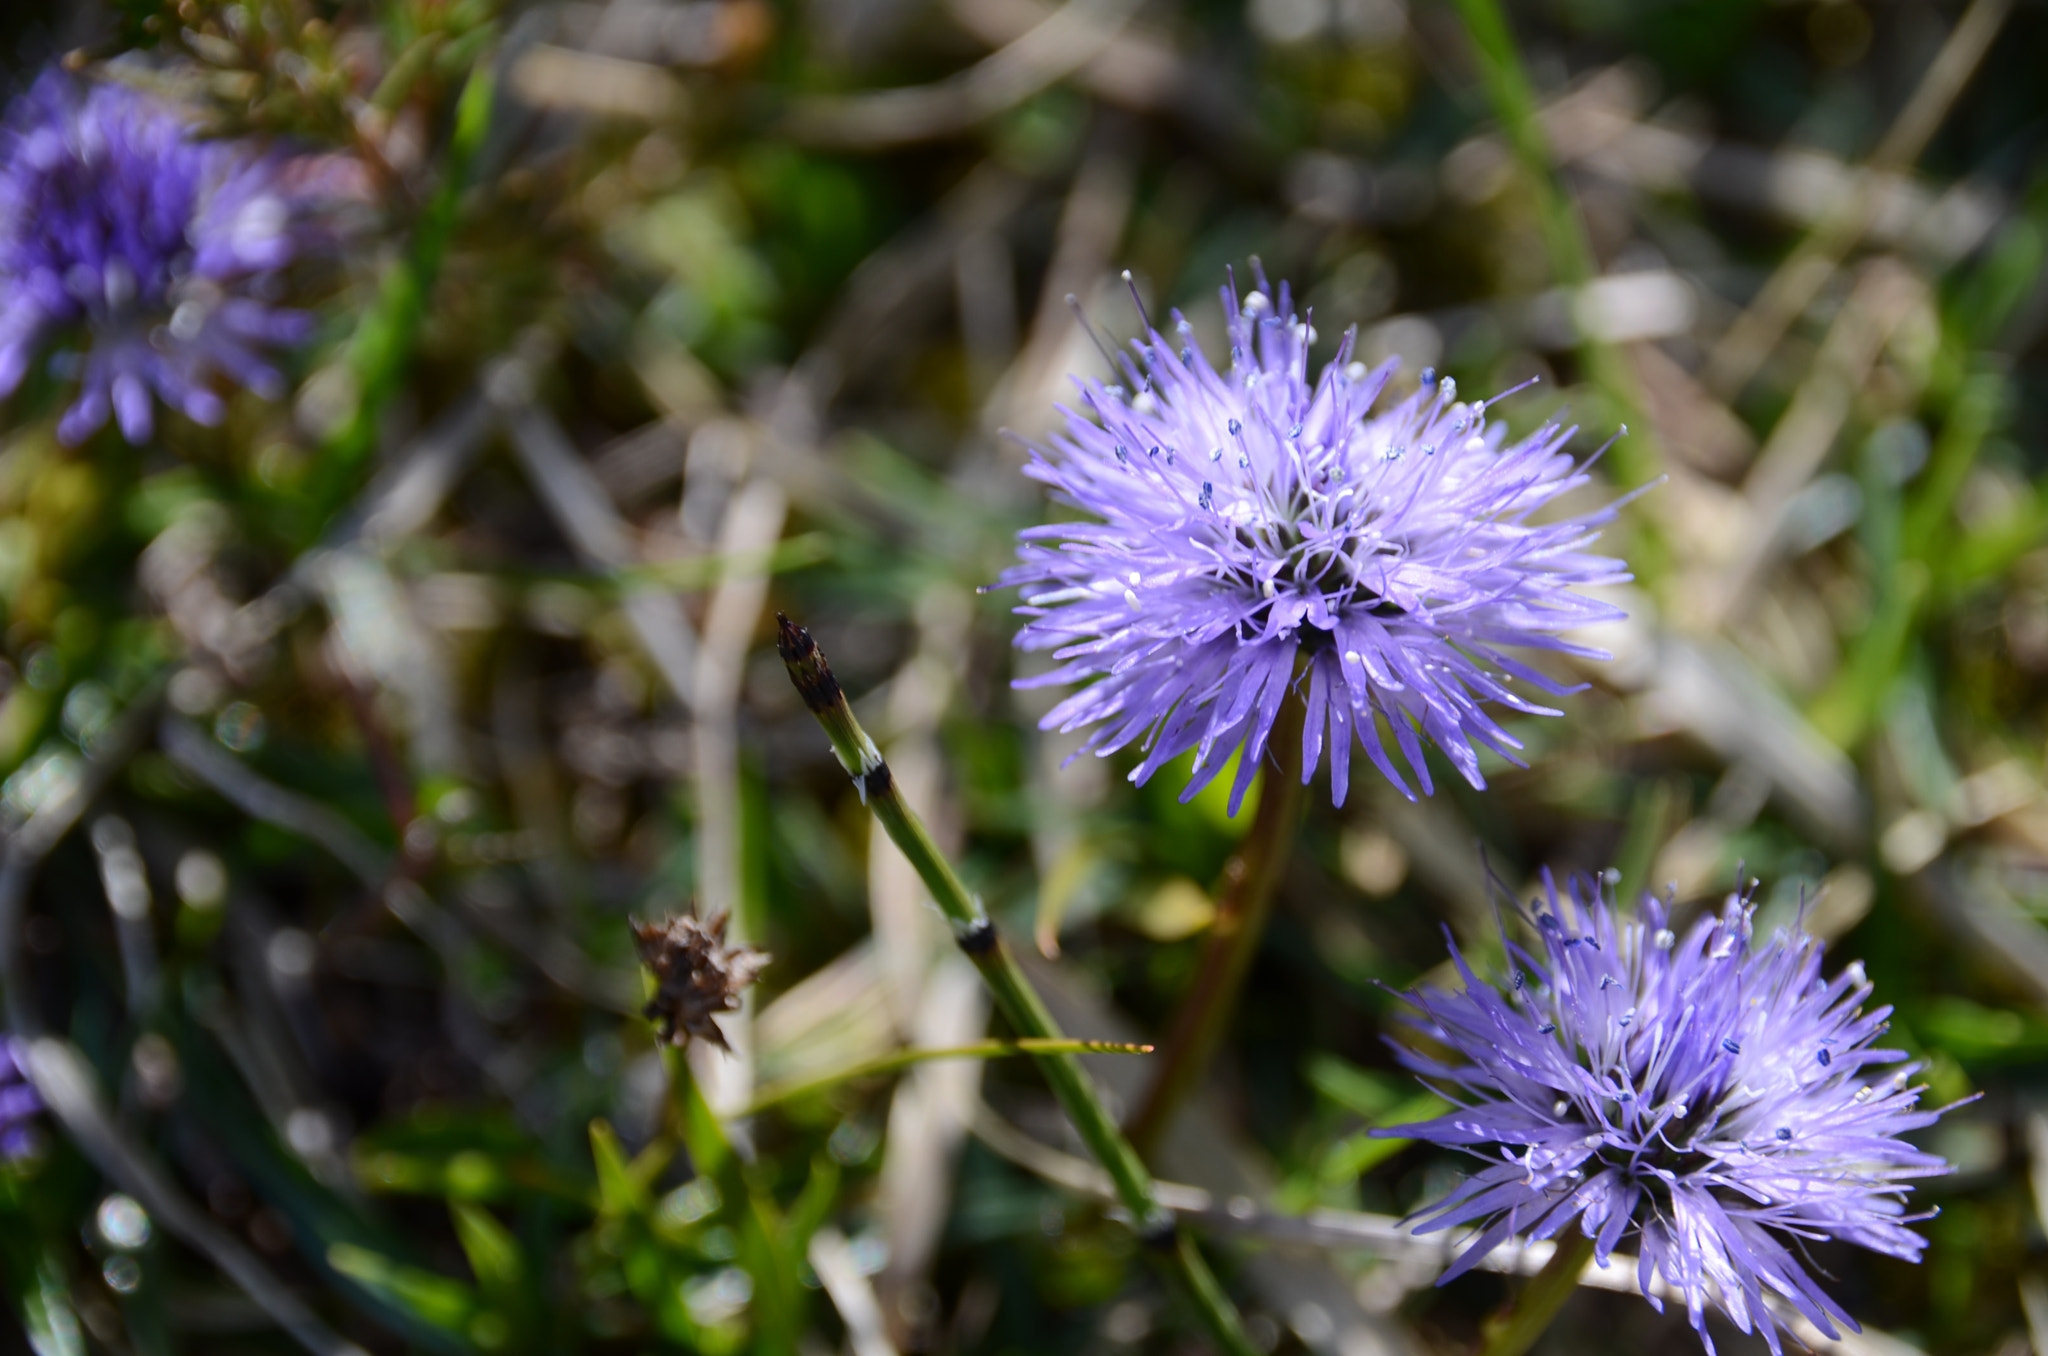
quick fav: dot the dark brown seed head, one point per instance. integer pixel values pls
(792, 642)
(807, 666)
(697, 975)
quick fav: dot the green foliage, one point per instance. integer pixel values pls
(775, 282)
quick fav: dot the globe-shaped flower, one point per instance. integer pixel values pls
(1721, 1100)
(18, 1103)
(1251, 532)
(150, 255)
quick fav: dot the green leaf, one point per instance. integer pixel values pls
(702, 1134)
(619, 1190)
(1369, 1094)
(1654, 815)
(1988, 551)
(428, 1296)
(1979, 409)
(1361, 1153)
(902, 1059)
(397, 84)
(46, 1314)
(321, 1219)
(646, 1169)
(1976, 1034)
(810, 1208)
(492, 1251)
(778, 1304)
(379, 355)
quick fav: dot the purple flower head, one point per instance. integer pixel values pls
(158, 250)
(18, 1103)
(1718, 1098)
(1253, 532)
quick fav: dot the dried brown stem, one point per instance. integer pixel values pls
(1251, 880)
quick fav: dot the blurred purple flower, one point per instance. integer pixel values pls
(1718, 1098)
(1239, 521)
(18, 1102)
(160, 249)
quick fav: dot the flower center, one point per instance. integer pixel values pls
(1347, 571)
(110, 257)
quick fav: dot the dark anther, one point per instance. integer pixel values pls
(1161, 1233)
(978, 940)
(876, 782)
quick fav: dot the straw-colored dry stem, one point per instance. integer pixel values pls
(1251, 880)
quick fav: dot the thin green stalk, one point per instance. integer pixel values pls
(1979, 408)
(765, 1251)
(1639, 458)
(777, 1093)
(1250, 883)
(1921, 537)
(379, 355)
(1528, 1315)
(1019, 1002)
(1514, 103)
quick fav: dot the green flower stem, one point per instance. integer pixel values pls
(1250, 883)
(1524, 1318)
(1019, 1002)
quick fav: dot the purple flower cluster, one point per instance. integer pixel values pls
(18, 1102)
(1719, 1099)
(156, 251)
(1241, 522)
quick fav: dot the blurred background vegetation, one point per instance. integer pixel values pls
(378, 711)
